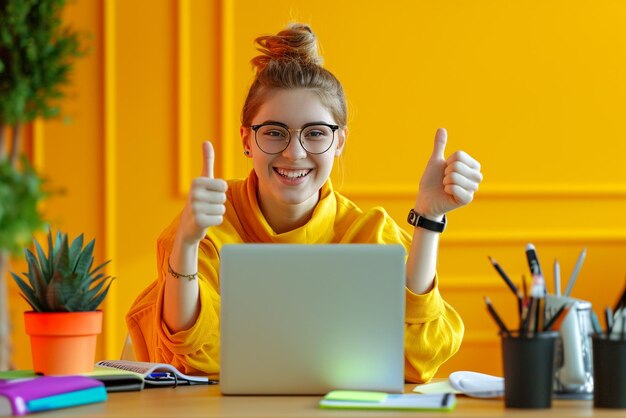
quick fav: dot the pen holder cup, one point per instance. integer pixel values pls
(609, 371)
(528, 369)
(573, 376)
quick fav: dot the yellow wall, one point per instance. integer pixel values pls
(534, 90)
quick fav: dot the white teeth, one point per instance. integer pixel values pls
(292, 174)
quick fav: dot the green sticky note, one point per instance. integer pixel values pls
(16, 374)
(355, 396)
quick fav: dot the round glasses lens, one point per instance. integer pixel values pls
(272, 139)
(317, 139)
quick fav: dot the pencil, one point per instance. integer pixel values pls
(556, 325)
(557, 278)
(574, 276)
(556, 315)
(504, 276)
(525, 288)
(496, 317)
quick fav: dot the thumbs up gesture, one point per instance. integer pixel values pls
(447, 184)
(205, 203)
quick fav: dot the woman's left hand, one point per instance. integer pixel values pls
(447, 184)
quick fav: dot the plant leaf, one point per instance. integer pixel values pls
(37, 281)
(76, 248)
(84, 260)
(62, 256)
(43, 261)
(96, 289)
(93, 304)
(27, 293)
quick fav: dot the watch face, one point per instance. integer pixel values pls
(412, 217)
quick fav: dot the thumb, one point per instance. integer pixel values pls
(208, 159)
(441, 138)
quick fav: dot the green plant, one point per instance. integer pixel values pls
(62, 280)
(36, 57)
(20, 194)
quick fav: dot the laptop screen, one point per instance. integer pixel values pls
(307, 319)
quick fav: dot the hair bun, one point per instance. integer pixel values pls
(296, 43)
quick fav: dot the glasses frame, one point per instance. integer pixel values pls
(332, 127)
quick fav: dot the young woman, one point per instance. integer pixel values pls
(293, 128)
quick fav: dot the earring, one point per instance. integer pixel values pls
(246, 152)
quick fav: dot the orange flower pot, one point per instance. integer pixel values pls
(63, 342)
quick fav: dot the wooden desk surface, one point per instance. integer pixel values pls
(207, 401)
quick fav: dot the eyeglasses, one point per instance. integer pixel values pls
(274, 137)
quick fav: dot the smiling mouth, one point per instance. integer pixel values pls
(292, 174)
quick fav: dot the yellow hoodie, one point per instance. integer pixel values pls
(433, 329)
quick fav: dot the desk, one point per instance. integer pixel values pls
(206, 401)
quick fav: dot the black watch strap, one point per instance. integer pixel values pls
(418, 220)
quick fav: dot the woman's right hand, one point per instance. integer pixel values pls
(205, 202)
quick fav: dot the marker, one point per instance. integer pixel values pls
(533, 261)
(574, 276)
(538, 287)
(496, 317)
(557, 278)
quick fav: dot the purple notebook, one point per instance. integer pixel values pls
(17, 397)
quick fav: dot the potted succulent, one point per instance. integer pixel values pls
(64, 292)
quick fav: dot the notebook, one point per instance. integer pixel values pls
(345, 399)
(25, 396)
(154, 374)
(308, 319)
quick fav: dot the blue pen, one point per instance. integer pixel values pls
(160, 375)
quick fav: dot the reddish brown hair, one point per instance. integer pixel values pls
(289, 60)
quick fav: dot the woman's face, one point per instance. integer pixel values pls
(292, 177)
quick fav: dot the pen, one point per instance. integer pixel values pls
(595, 324)
(504, 276)
(159, 375)
(557, 278)
(520, 304)
(527, 318)
(621, 302)
(608, 317)
(574, 276)
(533, 261)
(496, 318)
(555, 317)
(539, 314)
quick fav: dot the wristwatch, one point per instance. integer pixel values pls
(416, 219)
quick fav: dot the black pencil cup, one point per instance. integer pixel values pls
(528, 369)
(609, 372)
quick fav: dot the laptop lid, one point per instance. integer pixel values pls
(307, 319)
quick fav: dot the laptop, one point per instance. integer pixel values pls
(307, 319)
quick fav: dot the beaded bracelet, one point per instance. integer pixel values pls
(189, 277)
